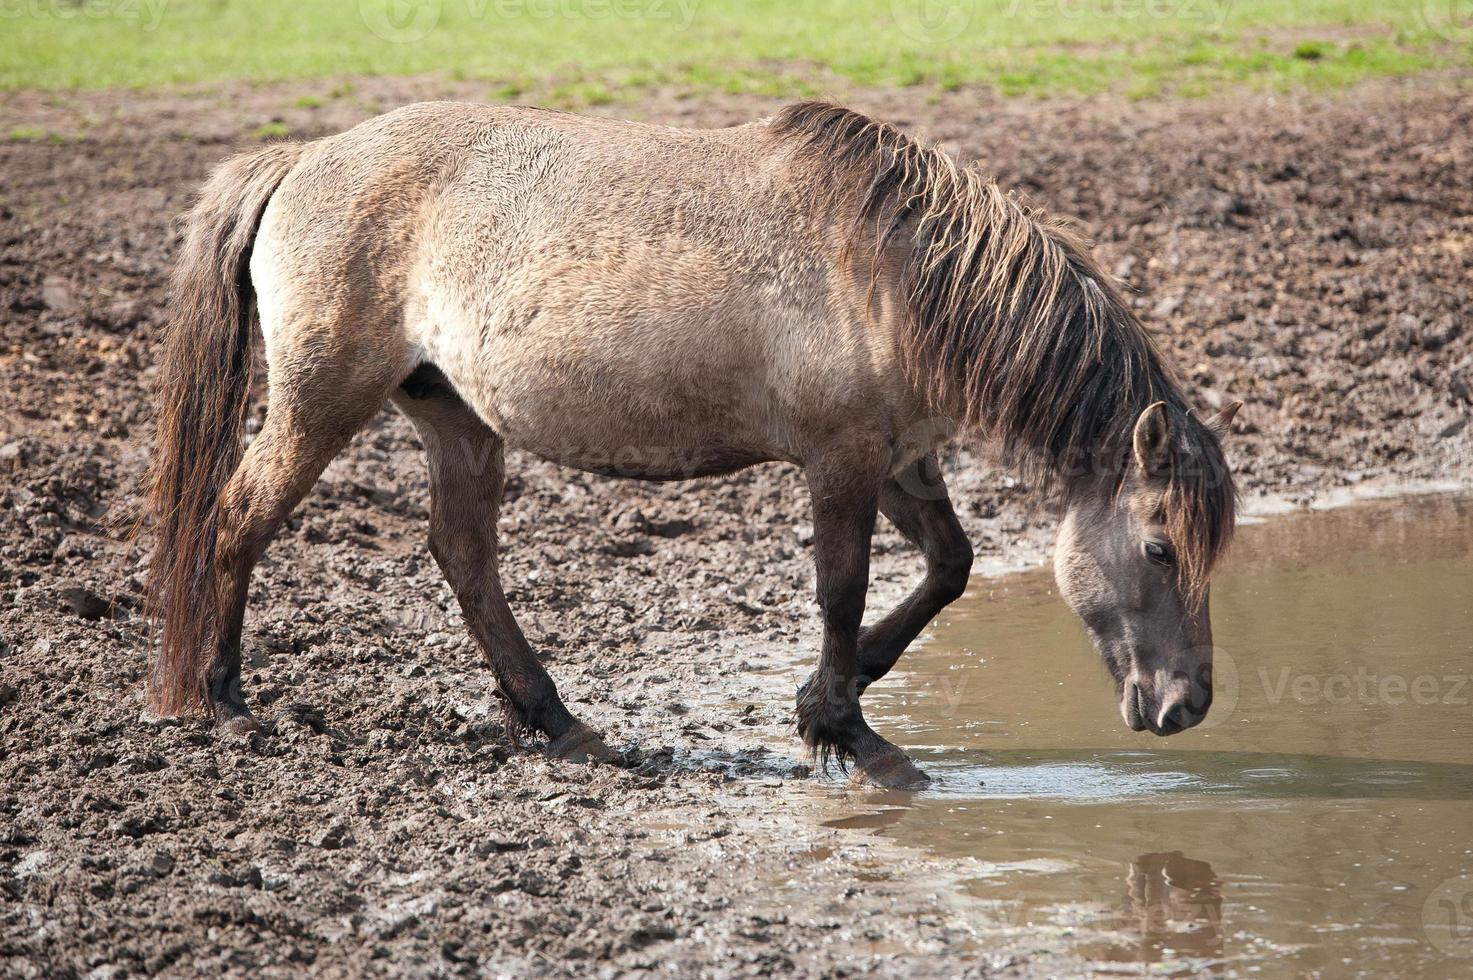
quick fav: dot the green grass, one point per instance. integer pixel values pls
(597, 50)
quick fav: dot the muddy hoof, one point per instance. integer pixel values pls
(236, 721)
(890, 770)
(580, 744)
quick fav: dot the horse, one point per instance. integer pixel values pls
(815, 287)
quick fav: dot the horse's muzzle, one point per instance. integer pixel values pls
(1164, 706)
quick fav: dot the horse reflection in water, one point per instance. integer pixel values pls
(1172, 904)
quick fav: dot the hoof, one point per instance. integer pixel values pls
(236, 720)
(580, 744)
(890, 770)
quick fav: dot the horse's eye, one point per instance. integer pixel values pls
(1158, 552)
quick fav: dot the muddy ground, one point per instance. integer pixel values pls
(1309, 255)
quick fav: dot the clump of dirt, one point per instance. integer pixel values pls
(1309, 256)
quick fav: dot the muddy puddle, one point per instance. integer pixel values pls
(1321, 821)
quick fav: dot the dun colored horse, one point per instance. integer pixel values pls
(659, 303)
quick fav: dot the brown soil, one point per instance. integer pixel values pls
(1310, 256)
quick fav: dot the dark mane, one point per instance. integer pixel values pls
(1011, 327)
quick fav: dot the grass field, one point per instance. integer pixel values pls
(594, 50)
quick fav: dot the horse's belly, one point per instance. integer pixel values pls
(609, 441)
(653, 463)
(604, 420)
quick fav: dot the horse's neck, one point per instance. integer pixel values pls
(1086, 473)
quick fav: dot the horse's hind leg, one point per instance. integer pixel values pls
(277, 470)
(467, 475)
(845, 503)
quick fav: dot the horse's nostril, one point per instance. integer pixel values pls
(1175, 717)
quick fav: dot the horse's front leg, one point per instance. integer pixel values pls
(921, 510)
(845, 502)
(918, 506)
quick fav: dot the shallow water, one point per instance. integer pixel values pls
(1320, 821)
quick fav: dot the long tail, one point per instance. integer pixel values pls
(204, 384)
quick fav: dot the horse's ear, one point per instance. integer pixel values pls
(1153, 439)
(1223, 420)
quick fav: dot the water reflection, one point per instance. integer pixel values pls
(1172, 904)
(877, 820)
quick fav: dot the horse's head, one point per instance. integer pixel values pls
(1132, 561)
